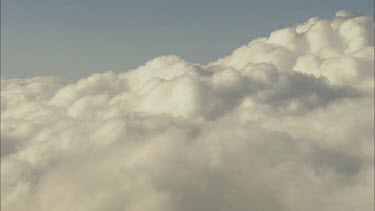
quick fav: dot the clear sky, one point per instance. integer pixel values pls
(74, 38)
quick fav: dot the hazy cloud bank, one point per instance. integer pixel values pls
(283, 123)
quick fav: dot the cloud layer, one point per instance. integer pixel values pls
(283, 123)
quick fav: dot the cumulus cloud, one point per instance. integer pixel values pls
(283, 123)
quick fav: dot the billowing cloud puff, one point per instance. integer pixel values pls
(283, 123)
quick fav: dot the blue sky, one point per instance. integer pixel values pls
(74, 38)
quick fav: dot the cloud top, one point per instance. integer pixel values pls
(283, 123)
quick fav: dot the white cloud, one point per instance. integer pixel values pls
(283, 123)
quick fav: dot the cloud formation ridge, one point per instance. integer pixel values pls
(282, 123)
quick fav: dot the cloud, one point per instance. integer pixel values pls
(283, 123)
